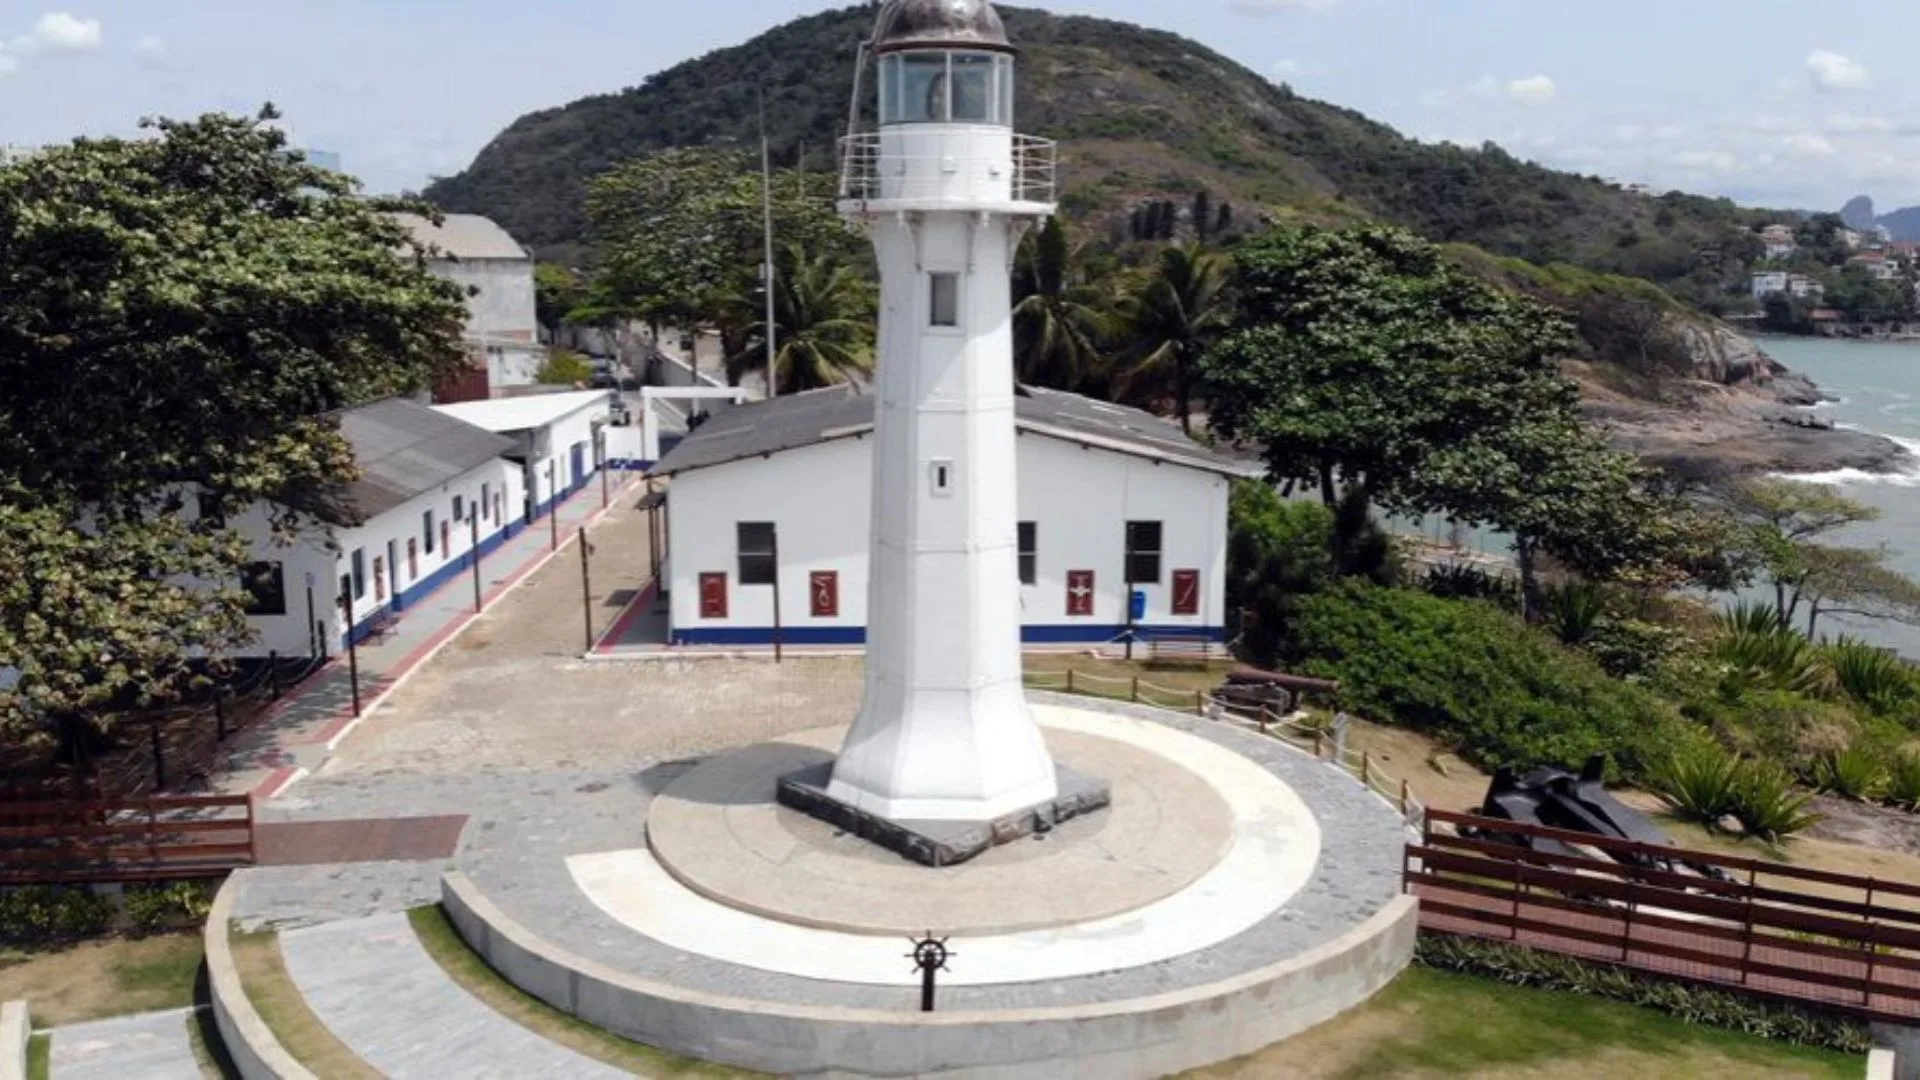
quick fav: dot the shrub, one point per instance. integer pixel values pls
(1464, 581)
(1701, 783)
(1575, 612)
(1855, 772)
(39, 913)
(1746, 618)
(1772, 660)
(1871, 676)
(1903, 779)
(1505, 693)
(1518, 966)
(1767, 805)
(1632, 648)
(161, 907)
(1276, 551)
(564, 367)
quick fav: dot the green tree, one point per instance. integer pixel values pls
(823, 322)
(1858, 582)
(1277, 551)
(1356, 354)
(681, 232)
(564, 367)
(557, 291)
(1061, 319)
(179, 312)
(1171, 321)
(1781, 521)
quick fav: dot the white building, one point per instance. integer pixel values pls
(1096, 484)
(502, 330)
(1779, 241)
(556, 440)
(1769, 283)
(430, 486)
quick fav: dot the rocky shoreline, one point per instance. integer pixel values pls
(1742, 413)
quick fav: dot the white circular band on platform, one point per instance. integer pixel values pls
(1275, 845)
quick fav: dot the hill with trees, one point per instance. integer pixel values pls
(1148, 119)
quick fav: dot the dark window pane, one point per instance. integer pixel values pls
(945, 303)
(265, 588)
(1029, 553)
(459, 508)
(972, 87)
(754, 540)
(1143, 552)
(359, 573)
(426, 529)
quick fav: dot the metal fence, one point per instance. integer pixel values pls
(868, 172)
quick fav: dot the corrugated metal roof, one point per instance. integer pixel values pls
(464, 236)
(405, 449)
(524, 413)
(786, 423)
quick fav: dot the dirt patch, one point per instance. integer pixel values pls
(96, 979)
(1438, 777)
(1877, 827)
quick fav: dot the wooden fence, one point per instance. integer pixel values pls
(125, 840)
(1835, 941)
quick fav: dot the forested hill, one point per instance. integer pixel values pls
(1147, 115)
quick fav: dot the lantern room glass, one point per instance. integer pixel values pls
(942, 87)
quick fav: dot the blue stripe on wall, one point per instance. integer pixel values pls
(1076, 634)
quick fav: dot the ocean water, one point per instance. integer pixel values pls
(1876, 388)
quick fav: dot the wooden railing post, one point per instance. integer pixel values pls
(1746, 935)
(1264, 717)
(1318, 737)
(1626, 938)
(1069, 680)
(1513, 926)
(1406, 797)
(1873, 952)
(1200, 703)
(1366, 768)
(1136, 688)
(253, 851)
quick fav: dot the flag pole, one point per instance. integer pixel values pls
(766, 274)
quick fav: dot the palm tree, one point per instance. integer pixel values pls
(822, 320)
(1061, 320)
(1179, 312)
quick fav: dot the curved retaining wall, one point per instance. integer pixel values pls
(1143, 1037)
(255, 1052)
(15, 1033)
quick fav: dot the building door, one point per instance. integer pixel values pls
(532, 489)
(579, 462)
(445, 549)
(393, 572)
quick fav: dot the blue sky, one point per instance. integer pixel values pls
(1773, 102)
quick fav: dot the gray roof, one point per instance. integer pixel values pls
(918, 24)
(463, 236)
(761, 428)
(406, 449)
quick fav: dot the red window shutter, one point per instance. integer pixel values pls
(823, 586)
(1079, 593)
(1186, 592)
(713, 596)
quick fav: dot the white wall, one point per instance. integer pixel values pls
(503, 305)
(552, 443)
(819, 498)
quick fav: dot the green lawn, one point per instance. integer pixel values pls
(112, 976)
(1434, 1023)
(38, 1048)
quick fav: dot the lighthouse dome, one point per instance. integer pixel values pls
(922, 24)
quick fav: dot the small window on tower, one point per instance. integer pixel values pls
(945, 307)
(942, 477)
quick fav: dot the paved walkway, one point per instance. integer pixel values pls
(147, 1046)
(302, 729)
(374, 986)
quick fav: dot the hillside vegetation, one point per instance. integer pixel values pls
(1145, 115)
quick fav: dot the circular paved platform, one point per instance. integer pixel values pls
(543, 906)
(719, 831)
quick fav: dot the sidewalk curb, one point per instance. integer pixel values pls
(335, 732)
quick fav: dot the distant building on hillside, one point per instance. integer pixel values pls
(1877, 264)
(1778, 282)
(1779, 241)
(14, 154)
(502, 331)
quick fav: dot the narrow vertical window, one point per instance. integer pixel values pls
(754, 542)
(1143, 552)
(459, 508)
(944, 299)
(940, 476)
(359, 575)
(426, 530)
(1029, 553)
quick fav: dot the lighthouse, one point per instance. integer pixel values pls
(945, 188)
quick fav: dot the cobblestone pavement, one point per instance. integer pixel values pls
(147, 1046)
(373, 985)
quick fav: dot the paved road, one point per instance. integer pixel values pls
(147, 1046)
(374, 986)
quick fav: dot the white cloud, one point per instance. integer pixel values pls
(150, 46)
(1533, 90)
(1831, 71)
(1848, 124)
(1485, 86)
(58, 31)
(1808, 145)
(1262, 8)
(1707, 160)
(8, 64)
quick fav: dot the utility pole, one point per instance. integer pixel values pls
(600, 448)
(353, 650)
(586, 586)
(766, 203)
(553, 508)
(473, 518)
(776, 595)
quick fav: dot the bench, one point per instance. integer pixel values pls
(1194, 649)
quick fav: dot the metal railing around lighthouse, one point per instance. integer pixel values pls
(867, 173)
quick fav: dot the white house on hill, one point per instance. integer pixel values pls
(502, 330)
(1122, 520)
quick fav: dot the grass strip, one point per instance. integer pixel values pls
(39, 1049)
(107, 977)
(466, 968)
(263, 973)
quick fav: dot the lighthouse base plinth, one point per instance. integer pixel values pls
(941, 843)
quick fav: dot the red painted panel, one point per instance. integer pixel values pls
(1186, 592)
(713, 596)
(446, 548)
(1079, 593)
(824, 588)
(380, 579)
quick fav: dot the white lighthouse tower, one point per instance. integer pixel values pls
(945, 189)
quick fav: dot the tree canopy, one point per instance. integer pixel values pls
(178, 314)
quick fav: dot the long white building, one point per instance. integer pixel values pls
(556, 440)
(1112, 502)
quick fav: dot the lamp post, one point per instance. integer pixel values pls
(553, 507)
(473, 553)
(586, 586)
(353, 649)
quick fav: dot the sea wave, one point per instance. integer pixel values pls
(1908, 476)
